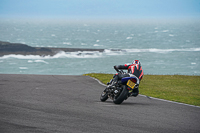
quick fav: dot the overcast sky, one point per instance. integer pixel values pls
(100, 8)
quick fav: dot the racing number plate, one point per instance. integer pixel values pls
(130, 84)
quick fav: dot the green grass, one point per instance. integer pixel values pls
(178, 88)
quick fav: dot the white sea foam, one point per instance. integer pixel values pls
(42, 61)
(96, 45)
(165, 30)
(83, 44)
(23, 68)
(62, 54)
(79, 54)
(114, 52)
(67, 43)
(30, 61)
(193, 63)
(163, 50)
(129, 38)
(23, 56)
(94, 54)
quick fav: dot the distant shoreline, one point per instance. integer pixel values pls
(7, 48)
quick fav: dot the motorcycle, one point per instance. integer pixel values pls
(122, 91)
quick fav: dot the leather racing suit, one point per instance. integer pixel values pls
(133, 70)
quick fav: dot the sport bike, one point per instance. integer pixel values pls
(120, 92)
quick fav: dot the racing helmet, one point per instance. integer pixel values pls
(136, 62)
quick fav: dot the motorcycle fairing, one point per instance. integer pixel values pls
(125, 79)
(133, 77)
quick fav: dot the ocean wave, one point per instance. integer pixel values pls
(96, 54)
(67, 43)
(165, 30)
(23, 68)
(114, 52)
(41, 61)
(155, 50)
(23, 56)
(96, 45)
(62, 54)
(37, 61)
(150, 50)
(79, 54)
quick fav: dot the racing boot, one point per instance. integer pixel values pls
(135, 91)
(134, 94)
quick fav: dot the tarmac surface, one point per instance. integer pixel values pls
(70, 104)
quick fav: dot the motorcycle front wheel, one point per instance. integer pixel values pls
(121, 96)
(104, 96)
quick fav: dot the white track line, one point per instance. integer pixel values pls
(98, 81)
(153, 97)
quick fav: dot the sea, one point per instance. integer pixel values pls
(164, 47)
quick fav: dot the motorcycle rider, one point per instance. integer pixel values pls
(133, 70)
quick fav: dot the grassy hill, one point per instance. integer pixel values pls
(178, 88)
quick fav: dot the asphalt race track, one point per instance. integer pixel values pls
(70, 104)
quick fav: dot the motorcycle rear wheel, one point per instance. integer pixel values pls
(122, 96)
(104, 96)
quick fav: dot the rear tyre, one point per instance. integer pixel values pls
(122, 96)
(104, 96)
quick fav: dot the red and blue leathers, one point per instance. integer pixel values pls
(135, 69)
(132, 70)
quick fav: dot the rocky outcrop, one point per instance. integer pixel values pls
(7, 48)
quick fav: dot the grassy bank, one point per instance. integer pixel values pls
(178, 88)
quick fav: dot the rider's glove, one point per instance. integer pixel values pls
(115, 67)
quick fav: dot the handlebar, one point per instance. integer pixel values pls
(119, 70)
(116, 69)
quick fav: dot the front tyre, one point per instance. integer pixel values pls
(104, 96)
(122, 96)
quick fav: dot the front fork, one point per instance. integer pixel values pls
(109, 83)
